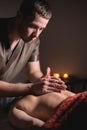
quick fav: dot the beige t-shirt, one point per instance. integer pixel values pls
(15, 69)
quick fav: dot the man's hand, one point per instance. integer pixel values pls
(48, 84)
(56, 84)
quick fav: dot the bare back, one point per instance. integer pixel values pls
(42, 107)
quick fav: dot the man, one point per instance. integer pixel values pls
(20, 72)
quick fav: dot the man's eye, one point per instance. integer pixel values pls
(41, 28)
(31, 26)
(34, 27)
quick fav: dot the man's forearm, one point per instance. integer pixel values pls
(33, 77)
(12, 89)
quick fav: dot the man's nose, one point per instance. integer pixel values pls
(36, 32)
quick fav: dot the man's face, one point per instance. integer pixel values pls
(31, 29)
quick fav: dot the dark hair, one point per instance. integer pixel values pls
(29, 7)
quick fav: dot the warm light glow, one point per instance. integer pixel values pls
(57, 75)
(65, 75)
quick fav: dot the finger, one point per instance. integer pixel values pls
(58, 86)
(48, 74)
(52, 80)
(58, 79)
(54, 83)
(51, 89)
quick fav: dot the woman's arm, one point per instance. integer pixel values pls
(21, 119)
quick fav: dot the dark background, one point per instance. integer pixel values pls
(64, 42)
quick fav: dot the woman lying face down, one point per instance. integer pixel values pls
(33, 111)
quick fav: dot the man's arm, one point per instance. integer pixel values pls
(21, 89)
(43, 86)
(49, 83)
(11, 89)
(37, 87)
(34, 71)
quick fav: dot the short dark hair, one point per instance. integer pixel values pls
(29, 7)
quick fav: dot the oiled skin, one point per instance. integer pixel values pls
(42, 106)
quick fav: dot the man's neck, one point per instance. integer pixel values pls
(14, 43)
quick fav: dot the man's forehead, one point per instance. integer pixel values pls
(37, 20)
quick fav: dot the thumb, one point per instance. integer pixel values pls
(48, 74)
